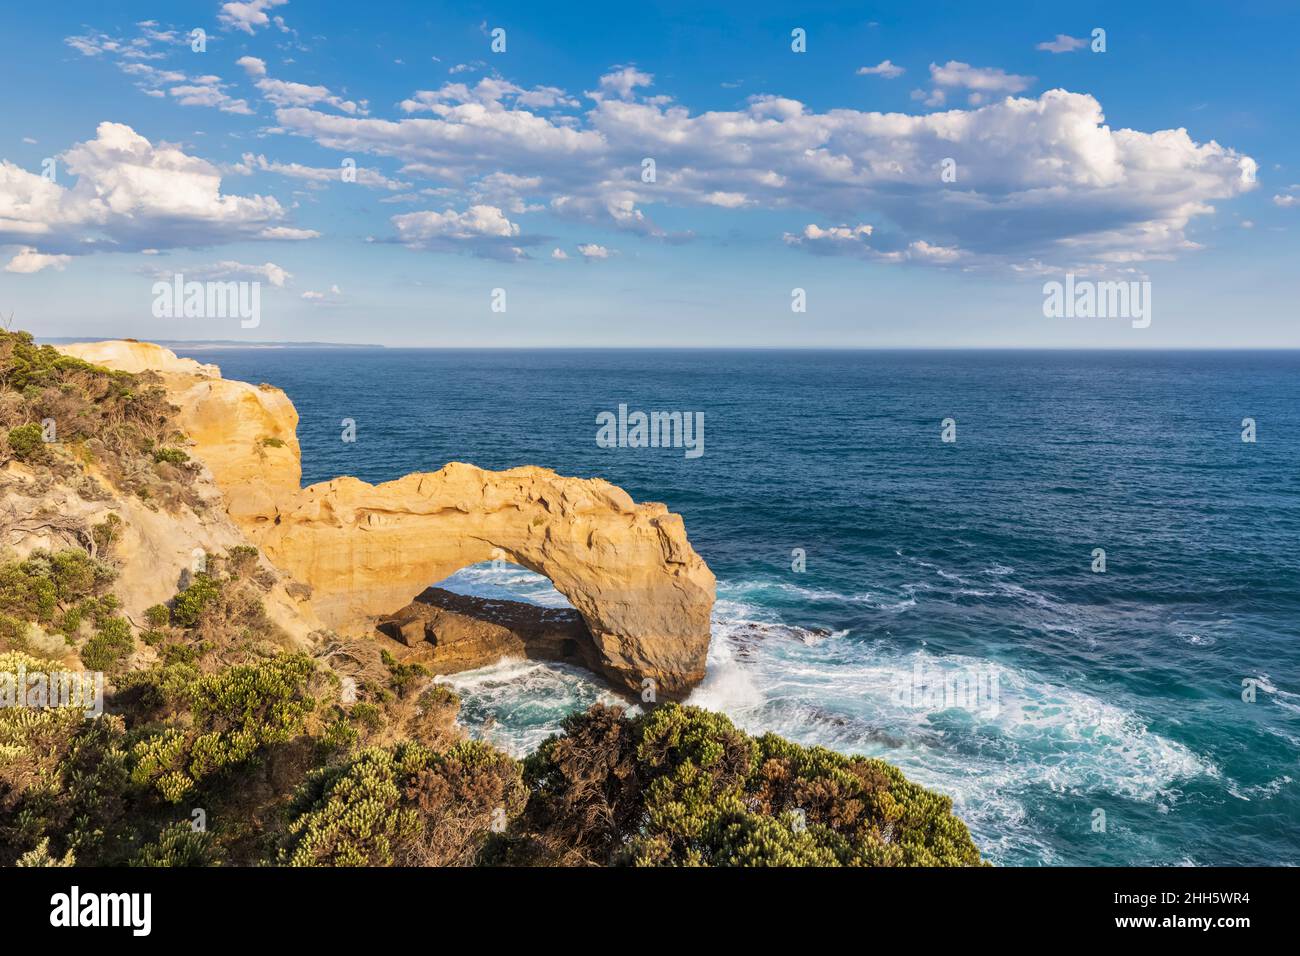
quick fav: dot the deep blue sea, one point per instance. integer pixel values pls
(1118, 730)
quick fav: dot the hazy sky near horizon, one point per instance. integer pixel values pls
(1170, 158)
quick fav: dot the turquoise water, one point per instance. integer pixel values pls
(967, 563)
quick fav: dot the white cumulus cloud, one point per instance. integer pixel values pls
(129, 194)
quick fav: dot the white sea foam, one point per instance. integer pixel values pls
(841, 690)
(516, 704)
(844, 694)
(1262, 791)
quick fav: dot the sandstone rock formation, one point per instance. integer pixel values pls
(449, 632)
(644, 593)
(367, 550)
(246, 434)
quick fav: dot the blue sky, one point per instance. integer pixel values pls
(1168, 158)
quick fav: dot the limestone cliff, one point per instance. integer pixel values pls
(367, 550)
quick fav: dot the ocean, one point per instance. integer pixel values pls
(937, 604)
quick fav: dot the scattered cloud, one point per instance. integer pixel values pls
(205, 90)
(480, 230)
(288, 93)
(334, 295)
(884, 68)
(854, 241)
(815, 233)
(1062, 44)
(208, 91)
(252, 65)
(230, 270)
(490, 93)
(1040, 178)
(139, 47)
(250, 163)
(931, 97)
(251, 16)
(980, 81)
(28, 260)
(591, 250)
(623, 81)
(287, 233)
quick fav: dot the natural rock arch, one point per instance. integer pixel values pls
(628, 569)
(367, 550)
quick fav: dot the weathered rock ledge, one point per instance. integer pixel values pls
(367, 550)
(449, 632)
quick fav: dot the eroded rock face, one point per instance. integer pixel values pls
(628, 568)
(246, 434)
(367, 550)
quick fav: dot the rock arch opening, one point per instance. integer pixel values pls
(643, 593)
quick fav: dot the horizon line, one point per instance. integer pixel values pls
(236, 344)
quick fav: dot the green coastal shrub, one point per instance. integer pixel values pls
(354, 815)
(180, 845)
(39, 587)
(241, 560)
(109, 646)
(226, 611)
(404, 678)
(684, 787)
(172, 456)
(407, 806)
(13, 633)
(106, 533)
(234, 714)
(41, 857)
(61, 591)
(62, 780)
(26, 442)
(116, 418)
(24, 364)
(189, 604)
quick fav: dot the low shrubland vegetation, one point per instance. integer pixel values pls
(255, 748)
(348, 756)
(62, 414)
